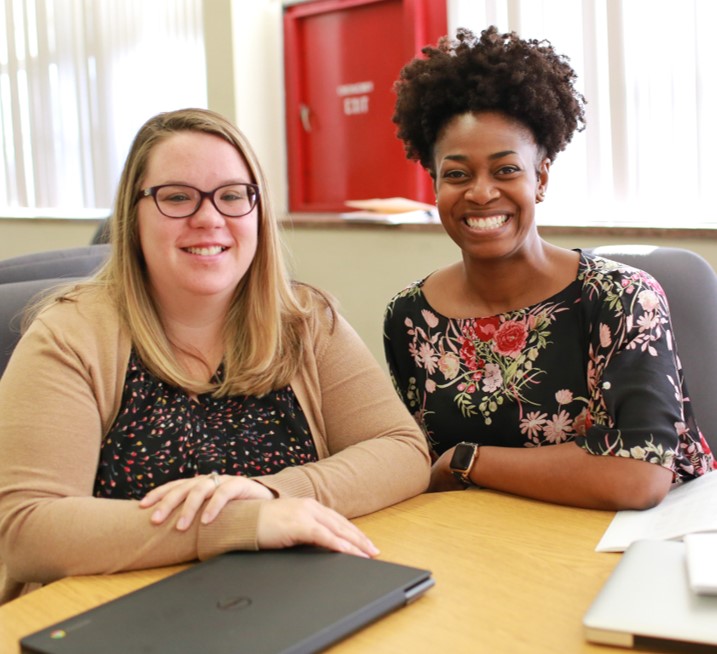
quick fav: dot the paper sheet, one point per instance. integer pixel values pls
(419, 217)
(689, 508)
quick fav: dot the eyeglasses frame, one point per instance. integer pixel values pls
(152, 192)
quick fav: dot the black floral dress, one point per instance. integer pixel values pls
(596, 363)
(162, 434)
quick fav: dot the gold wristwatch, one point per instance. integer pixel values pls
(464, 458)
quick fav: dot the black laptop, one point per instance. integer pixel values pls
(290, 601)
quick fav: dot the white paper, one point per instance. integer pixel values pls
(420, 217)
(689, 508)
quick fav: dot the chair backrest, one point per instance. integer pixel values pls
(24, 277)
(70, 262)
(14, 298)
(690, 284)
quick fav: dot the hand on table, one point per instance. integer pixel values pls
(191, 494)
(303, 521)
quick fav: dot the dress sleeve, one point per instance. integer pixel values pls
(395, 348)
(51, 404)
(372, 453)
(638, 403)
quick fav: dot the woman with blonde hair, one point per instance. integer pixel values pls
(190, 398)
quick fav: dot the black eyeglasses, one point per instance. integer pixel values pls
(182, 201)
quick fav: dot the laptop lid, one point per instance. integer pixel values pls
(290, 601)
(647, 602)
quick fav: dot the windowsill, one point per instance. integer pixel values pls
(336, 221)
(16, 213)
(591, 228)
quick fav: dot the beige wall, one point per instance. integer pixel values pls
(19, 236)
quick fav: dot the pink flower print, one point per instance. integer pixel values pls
(485, 328)
(492, 378)
(682, 429)
(510, 338)
(449, 364)
(415, 354)
(605, 335)
(430, 386)
(427, 357)
(564, 396)
(430, 318)
(556, 430)
(648, 300)
(533, 423)
(648, 321)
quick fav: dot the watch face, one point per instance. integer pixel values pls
(462, 456)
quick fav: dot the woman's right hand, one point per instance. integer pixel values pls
(286, 522)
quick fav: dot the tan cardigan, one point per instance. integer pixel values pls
(61, 392)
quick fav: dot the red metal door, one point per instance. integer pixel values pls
(342, 58)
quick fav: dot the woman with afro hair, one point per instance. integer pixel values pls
(532, 369)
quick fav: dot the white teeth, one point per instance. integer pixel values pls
(206, 252)
(486, 223)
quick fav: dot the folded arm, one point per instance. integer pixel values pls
(563, 474)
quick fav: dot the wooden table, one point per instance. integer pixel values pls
(512, 575)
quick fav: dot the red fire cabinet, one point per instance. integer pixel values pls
(341, 60)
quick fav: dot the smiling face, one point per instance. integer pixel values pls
(489, 174)
(203, 256)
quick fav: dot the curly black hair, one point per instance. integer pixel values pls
(525, 80)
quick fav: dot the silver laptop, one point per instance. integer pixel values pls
(647, 602)
(290, 601)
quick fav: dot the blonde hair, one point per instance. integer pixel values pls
(267, 320)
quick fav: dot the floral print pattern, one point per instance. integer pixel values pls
(557, 371)
(162, 434)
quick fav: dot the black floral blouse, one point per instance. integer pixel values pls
(595, 363)
(162, 434)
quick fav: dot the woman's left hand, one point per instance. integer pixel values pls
(192, 493)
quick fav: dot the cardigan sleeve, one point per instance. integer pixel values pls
(372, 453)
(62, 384)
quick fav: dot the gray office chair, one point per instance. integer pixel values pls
(25, 276)
(690, 284)
(69, 262)
(14, 297)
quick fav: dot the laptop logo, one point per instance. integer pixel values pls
(234, 603)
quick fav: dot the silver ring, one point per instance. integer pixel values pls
(215, 478)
